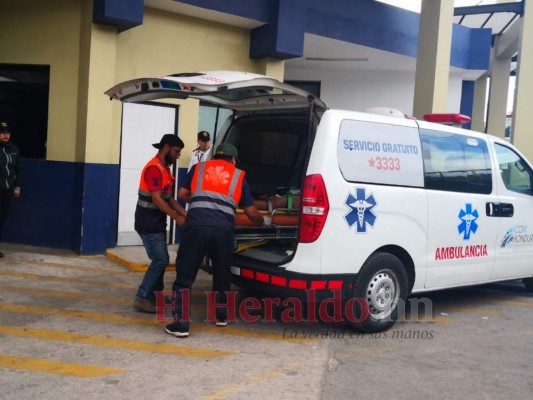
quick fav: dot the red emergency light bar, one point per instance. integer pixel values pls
(448, 119)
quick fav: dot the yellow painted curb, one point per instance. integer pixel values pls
(114, 343)
(55, 367)
(132, 266)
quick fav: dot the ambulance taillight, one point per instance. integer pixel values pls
(315, 208)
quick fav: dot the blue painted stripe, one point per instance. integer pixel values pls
(124, 14)
(364, 22)
(284, 37)
(67, 206)
(467, 101)
(470, 48)
(100, 208)
(47, 213)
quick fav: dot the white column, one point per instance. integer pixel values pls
(479, 108)
(522, 129)
(433, 57)
(500, 68)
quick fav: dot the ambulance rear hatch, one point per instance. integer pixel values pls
(238, 91)
(273, 126)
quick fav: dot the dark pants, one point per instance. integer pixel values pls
(5, 200)
(196, 242)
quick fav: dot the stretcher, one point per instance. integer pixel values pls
(279, 218)
(283, 210)
(284, 214)
(247, 235)
(289, 202)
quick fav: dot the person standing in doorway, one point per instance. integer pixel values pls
(10, 170)
(213, 190)
(203, 151)
(155, 203)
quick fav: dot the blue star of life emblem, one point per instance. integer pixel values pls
(360, 213)
(468, 223)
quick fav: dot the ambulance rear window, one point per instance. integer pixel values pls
(455, 163)
(272, 150)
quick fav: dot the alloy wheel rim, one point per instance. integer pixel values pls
(382, 294)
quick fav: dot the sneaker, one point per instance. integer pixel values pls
(177, 330)
(221, 322)
(144, 305)
(1, 255)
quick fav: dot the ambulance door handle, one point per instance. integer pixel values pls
(493, 209)
(506, 210)
(499, 210)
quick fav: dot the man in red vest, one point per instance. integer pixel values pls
(213, 190)
(155, 203)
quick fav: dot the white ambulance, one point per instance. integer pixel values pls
(367, 206)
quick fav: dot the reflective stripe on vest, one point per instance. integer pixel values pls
(145, 196)
(216, 192)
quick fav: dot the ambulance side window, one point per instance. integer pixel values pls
(455, 163)
(516, 173)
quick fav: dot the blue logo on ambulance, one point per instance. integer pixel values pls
(360, 213)
(468, 223)
(517, 235)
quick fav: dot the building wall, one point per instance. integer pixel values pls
(48, 213)
(170, 43)
(70, 199)
(33, 32)
(358, 90)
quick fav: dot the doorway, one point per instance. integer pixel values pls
(142, 125)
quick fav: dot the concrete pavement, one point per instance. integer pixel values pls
(68, 330)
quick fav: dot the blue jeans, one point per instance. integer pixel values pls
(156, 248)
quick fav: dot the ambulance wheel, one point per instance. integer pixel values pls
(528, 283)
(380, 287)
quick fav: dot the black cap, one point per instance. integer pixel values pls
(204, 136)
(171, 140)
(4, 127)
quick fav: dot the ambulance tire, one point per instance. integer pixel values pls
(528, 283)
(380, 287)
